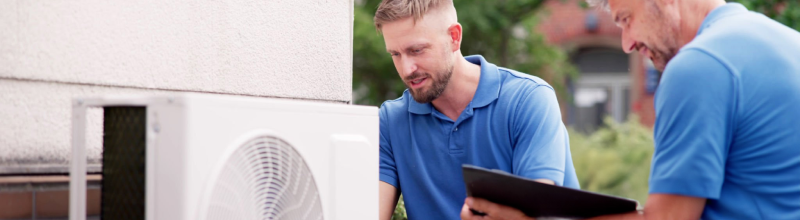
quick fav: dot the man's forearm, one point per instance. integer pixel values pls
(665, 207)
(387, 200)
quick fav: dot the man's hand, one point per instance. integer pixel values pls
(493, 211)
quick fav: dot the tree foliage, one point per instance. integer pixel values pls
(783, 11)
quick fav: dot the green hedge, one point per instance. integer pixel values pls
(613, 160)
(400, 211)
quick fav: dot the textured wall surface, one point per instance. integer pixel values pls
(35, 132)
(52, 51)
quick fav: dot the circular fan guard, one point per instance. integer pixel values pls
(265, 178)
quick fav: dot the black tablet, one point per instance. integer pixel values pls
(537, 199)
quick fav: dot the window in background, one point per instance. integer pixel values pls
(602, 89)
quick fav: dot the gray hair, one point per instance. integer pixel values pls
(601, 4)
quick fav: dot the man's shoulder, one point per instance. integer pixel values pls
(691, 66)
(395, 105)
(693, 59)
(521, 93)
(728, 44)
(517, 81)
(391, 110)
(741, 33)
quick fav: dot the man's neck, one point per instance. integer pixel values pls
(460, 90)
(693, 13)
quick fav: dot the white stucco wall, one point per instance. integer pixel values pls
(51, 51)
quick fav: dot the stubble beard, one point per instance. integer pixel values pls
(439, 81)
(439, 84)
(669, 32)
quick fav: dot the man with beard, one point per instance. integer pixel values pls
(458, 110)
(727, 122)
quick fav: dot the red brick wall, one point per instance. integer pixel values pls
(565, 22)
(44, 196)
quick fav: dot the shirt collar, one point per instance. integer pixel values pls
(488, 88)
(720, 12)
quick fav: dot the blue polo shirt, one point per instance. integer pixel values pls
(728, 118)
(512, 124)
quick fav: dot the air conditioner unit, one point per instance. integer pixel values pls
(206, 157)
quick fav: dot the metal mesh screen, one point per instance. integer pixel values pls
(123, 181)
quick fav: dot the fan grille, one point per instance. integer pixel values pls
(265, 179)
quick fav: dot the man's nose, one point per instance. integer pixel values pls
(409, 67)
(628, 43)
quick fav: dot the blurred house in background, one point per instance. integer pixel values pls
(611, 83)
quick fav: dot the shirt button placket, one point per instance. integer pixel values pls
(452, 145)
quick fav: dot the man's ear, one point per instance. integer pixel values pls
(454, 32)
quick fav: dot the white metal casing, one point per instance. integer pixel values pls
(188, 135)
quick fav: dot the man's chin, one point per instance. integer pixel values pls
(660, 64)
(661, 60)
(660, 67)
(419, 96)
(423, 101)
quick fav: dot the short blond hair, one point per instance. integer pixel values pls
(393, 10)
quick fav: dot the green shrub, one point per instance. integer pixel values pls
(400, 211)
(613, 160)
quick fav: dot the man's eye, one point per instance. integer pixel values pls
(417, 51)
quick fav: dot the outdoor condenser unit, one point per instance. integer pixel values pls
(205, 157)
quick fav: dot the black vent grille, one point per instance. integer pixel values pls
(123, 163)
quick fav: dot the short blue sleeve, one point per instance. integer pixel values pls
(388, 167)
(695, 105)
(539, 136)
